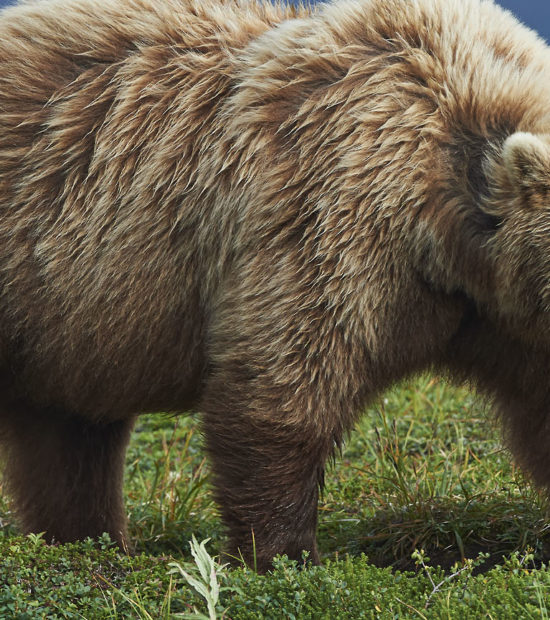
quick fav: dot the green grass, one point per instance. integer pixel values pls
(423, 516)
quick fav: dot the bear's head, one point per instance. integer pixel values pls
(519, 181)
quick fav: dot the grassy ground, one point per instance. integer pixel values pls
(423, 516)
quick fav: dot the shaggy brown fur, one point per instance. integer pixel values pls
(267, 216)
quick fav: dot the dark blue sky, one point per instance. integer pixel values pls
(535, 13)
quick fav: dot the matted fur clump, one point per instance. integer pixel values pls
(267, 216)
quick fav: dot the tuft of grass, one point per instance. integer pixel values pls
(167, 493)
(426, 469)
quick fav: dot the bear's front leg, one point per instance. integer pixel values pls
(512, 373)
(274, 412)
(288, 373)
(267, 477)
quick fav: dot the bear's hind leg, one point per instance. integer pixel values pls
(65, 476)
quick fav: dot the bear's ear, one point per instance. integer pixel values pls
(526, 159)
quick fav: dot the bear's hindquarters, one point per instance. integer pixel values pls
(65, 475)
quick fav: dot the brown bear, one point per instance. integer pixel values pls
(266, 215)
